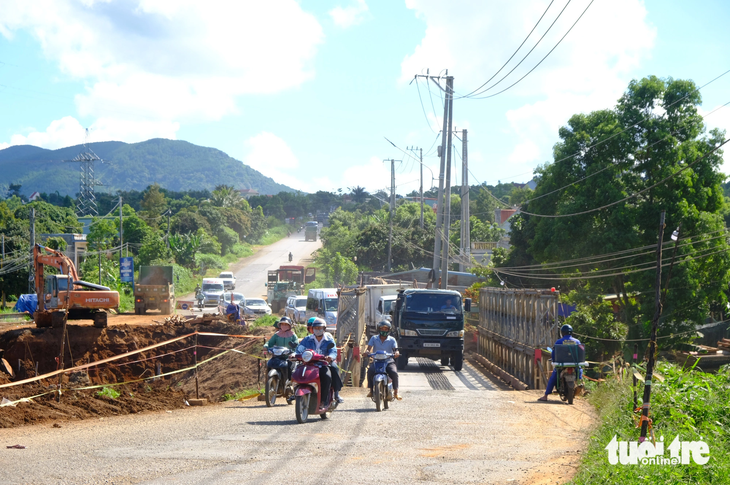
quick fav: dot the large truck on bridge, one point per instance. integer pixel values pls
(430, 323)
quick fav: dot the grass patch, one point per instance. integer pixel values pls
(242, 395)
(274, 234)
(692, 404)
(109, 392)
(265, 321)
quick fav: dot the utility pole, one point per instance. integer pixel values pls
(465, 262)
(392, 210)
(420, 190)
(167, 238)
(447, 192)
(654, 324)
(121, 232)
(440, 196)
(32, 245)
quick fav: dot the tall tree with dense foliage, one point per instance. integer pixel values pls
(654, 144)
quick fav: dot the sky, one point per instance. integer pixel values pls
(309, 92)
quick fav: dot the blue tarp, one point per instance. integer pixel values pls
(27, 303)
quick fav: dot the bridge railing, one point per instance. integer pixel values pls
(514, 325)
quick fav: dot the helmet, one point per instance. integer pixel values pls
(566, 330)
(385, 323)
(318, 322)
(311, 321)
(286, 320)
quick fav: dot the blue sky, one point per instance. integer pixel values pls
(306, 92)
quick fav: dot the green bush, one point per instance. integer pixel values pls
(690, 404)
(108, 392)
(208, 261)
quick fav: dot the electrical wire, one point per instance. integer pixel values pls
(541, 60)
(423, 107)
(554, 216)
(518, 49)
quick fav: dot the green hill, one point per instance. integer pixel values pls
(175, 165)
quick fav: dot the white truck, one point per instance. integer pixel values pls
(378, 301)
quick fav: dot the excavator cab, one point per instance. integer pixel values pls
(54, 288)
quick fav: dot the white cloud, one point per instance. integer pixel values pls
(167, 61)
(271, 156)
(373, 175)
(68, 131)
(588, 70)
(351, 15)
(719, 119)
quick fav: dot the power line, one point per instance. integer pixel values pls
(541, 60)
(633, 195)
(518, 49)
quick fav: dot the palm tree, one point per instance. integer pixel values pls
(359, 194)
(225, 196)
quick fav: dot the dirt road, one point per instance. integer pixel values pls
(449, 428)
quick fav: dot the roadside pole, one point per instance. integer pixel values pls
(652, 341)
(449, 99)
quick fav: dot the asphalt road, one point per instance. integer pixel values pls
(449, 428)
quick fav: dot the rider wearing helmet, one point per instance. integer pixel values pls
(317, 341)
(567, 337)
(284, 337)
(383, 341)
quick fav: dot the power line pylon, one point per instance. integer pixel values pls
(87, 198)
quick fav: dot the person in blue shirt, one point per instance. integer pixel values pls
(448, 306)
(383, 341)
(567, 336)
(233, 312)
(329, 375)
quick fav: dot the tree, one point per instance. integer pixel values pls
(228, 238)
(359, 194)
(484, 205)
(153, 205)
(154, 250)
(184, 247)
(654, 133)
(225, 196)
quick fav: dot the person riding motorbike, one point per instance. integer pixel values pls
(383, 341)
(567, 336)
(291, 256)
(329, 375)
(283, 338)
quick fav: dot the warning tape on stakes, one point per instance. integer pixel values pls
(117, 357)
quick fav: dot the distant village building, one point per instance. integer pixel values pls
(75, 245)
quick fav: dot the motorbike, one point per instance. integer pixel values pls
(569, 363)
(307, 395)
(277, 385)
(299, 230)
(382, 383)
(200, 297)
(291, 256)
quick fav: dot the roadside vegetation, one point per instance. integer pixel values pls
(690, 404)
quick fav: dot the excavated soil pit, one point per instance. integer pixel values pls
(24, 347)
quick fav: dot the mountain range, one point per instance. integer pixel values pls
(174, 164)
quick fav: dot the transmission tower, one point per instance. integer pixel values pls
(87, 198)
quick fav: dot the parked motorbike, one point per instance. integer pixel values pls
(382, 383)
(307, 386)
(278, 380)
(569, 363)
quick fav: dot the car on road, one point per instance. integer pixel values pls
(256, 307)
(229, 281)
(225, 300)
(296, 308)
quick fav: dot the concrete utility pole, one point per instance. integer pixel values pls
(392, 210)
(447, 191)
(121, 231)
(440, 197)
(32, 244)
(465, 262)
(167, 238)
(420, 190)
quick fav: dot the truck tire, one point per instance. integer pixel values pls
(457, 361)
(402, 362)
(445, 360)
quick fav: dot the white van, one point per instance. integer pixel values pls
(212, 289)
(323, 303)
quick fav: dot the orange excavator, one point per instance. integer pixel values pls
(65, 295)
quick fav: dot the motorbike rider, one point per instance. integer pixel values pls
(567, 336)
(329, 375)
(383, 341)
(291, 256)
(284, 338)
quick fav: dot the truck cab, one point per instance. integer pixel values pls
(430, 323)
